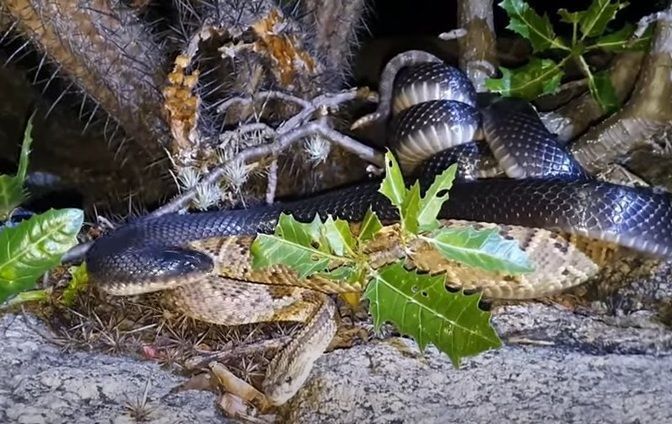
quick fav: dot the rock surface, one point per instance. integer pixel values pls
(558, 365)
(39, 383)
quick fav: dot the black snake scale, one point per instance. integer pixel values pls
(568, 223)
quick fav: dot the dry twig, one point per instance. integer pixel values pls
(296, 128)
(238, 351)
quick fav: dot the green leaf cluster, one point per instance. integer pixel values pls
(417, 213)
(32, 247)
(590, 32)
(418, 304)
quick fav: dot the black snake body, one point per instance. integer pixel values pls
(549, 189)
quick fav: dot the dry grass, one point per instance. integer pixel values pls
(144, 328)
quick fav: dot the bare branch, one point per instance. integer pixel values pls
(478, 53)
(265, 129)
(453, 35)
(263, 97)
(649, 19)
(272, 181)
(238, 351)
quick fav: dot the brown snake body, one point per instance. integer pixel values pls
(569, 229)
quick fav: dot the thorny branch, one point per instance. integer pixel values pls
(295, 129)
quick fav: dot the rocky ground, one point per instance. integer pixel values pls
(571, 364)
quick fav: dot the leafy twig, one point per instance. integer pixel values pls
(418, 304)
(647, 112)
(589, 32)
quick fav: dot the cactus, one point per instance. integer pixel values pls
(114, 55)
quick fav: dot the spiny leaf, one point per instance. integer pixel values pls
(526, 22)
(435, 197)
(603, 91)
(406, 200)
(340, 238)
(345, 273)
(393, 186)
(34, 246)
(297, 245)
(410, 209)
(420, 306)
(370, 226)
(570, 17)
(25, 150)
(622, 40)
(595, 19)
(538, 76)
(485, 249)
(28, 296)
(12, 193)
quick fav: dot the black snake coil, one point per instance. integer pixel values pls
(534, 182)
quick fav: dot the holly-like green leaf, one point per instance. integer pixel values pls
(370, 226)
(410, 209)
(595, 19)
(420, 306)
(406, 200)
(622, 40)
(340, 238)
(527, 23)
(393, 186)
(603, 91)
(435, 197)
(485, 249)
(538, 76)
(297, 245)
(345, 273)
(34, 246)
(570, 17)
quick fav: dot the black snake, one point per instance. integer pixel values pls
(534, 183)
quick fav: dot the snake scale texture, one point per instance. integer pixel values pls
(512, 173)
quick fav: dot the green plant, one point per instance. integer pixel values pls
(34, 246)
(590, 33)
(418, 304)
